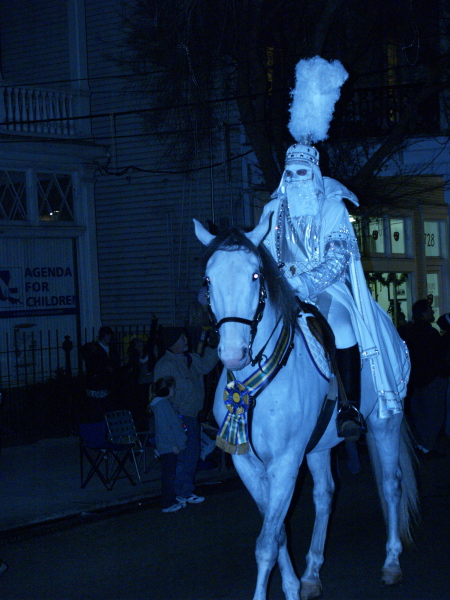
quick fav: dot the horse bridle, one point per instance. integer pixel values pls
(253, 324)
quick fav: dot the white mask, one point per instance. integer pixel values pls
(300, 190)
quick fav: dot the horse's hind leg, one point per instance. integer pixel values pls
(319, 465)
(384, 443)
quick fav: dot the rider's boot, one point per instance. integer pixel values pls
(349, 421)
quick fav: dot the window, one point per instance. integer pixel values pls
(433, 289)
(13, 196)
(55, 197)
(383, 236)
(376, 236)
(393, 292)
(28, 196)
(397, 232)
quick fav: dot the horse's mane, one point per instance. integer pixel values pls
(280, 293)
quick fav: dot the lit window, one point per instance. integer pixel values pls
(393, 292)
(433, 289)
(432, 238)
(376, 236)
(397, 228)
(55, 197)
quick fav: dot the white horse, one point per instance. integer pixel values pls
(238, 274)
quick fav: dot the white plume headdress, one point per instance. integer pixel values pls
(317, 89)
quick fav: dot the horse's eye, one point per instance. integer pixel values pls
(206, 281)
(255, 276)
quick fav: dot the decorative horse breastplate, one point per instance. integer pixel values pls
(239, 396)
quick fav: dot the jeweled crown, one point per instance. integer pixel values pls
(298, 152)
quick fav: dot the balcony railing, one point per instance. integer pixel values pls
(25, 109)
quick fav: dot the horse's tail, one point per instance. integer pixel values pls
(408, 510)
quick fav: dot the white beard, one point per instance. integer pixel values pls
(302, 199)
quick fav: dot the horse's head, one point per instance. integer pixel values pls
(236, 292)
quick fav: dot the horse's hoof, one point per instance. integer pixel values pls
(309, 591)
(391, 577)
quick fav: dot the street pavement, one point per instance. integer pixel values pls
(101, 545)
(40, 483)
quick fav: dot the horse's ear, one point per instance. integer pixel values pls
(261, 230)
(202, 234)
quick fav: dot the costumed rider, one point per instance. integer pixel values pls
(314, 244)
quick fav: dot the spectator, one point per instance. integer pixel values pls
(444, 324)
(427, 386)
(188, 370)
(170, 439)
(102, 376)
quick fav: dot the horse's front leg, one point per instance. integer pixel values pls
(319, 465)
(271, 543)
(252, 472)
(290, 581)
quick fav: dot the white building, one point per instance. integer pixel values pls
(92, 230)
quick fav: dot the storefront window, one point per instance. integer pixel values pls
(433, 290)
(393, 292)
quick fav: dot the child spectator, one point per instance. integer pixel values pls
(170, 439)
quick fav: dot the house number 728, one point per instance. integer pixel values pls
(429, 239)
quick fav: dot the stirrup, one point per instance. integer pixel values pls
(350, 423)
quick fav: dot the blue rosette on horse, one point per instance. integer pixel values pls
(233, 436)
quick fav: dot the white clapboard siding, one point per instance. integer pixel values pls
(35, 49)
(147, 251)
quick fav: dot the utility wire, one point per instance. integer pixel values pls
(105, 170)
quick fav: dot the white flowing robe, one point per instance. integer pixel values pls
(321, 257)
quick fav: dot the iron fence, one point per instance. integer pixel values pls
(42, 380)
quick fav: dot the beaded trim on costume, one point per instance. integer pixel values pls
(302, 222)
(345, 236)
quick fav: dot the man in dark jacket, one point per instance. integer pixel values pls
(102, 376)
(427, 386)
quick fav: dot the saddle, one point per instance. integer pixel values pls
(319, 337)
(322, 333)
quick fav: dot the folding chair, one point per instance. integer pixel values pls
(122, 430)
(107, 460)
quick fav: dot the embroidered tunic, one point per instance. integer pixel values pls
(321, 256)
